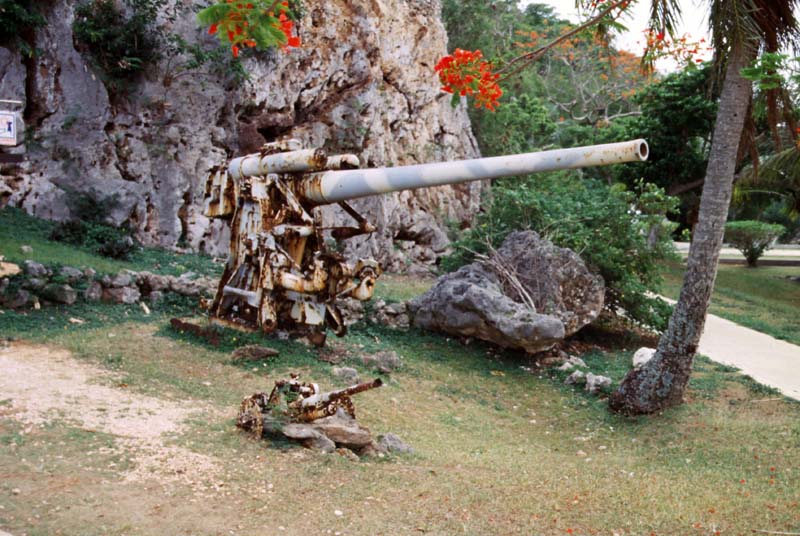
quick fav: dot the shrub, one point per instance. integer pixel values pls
(121, 46)
(70, 232)
(88, 228)
(108, 241)
(15, 19)
(752, 238)
(607, 226)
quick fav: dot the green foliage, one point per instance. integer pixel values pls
(677, 117)
(752, 238)
(769, 69)
(183, 58)
(15, 19)
(776, 212)
(778, 178)
(89, 230)
(262, 24)
(518, 126)
(480, 25)
(608, 227)
(121, 45)
(105, 240)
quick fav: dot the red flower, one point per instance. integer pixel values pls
(213, 29)
(465, 73)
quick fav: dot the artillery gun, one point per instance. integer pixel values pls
(281, 275)
(293, 401)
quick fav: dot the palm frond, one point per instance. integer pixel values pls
(778, 175)
(746, 23)
(665, 15)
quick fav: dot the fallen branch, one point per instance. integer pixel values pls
(509, 274)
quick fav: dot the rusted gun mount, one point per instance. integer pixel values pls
(293, 401)
(280, 274)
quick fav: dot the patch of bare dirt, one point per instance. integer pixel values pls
(45, 385)
(8, 268)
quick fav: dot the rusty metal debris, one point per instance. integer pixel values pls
(297, 402)
(207, 333)
(299, 410)
(280, 273)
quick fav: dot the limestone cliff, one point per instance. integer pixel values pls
(362, 82)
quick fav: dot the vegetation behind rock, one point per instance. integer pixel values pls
(619, 233)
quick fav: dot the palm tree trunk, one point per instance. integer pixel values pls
(662, 381)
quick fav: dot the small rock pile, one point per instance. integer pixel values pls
(324, 421)
(341, 433)
(390, 314)
(67, 284)
(394, 315)
(593, 383)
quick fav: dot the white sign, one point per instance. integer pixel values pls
(8, 128)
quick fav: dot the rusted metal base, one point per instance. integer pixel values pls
(280, 273)
(207, 333)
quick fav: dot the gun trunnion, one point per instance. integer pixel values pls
(281, 275)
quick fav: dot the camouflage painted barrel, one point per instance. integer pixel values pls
(341, 185)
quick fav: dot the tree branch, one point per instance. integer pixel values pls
(530, 57)
(682, 188)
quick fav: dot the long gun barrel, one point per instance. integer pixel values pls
(335, 186)
(332, 396)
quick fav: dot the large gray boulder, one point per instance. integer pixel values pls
(528, 295)
(471, 302)
(556, 278)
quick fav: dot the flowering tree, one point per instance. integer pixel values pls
(258, 24)
(465, 73)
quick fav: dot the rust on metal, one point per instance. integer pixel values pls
(280, 273)
(299, 402)
(206, 333)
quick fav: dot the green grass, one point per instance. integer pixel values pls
(394, 288)
(502, 447)
(759, 298)
(499, 449)
(17, 229)
(49, 322)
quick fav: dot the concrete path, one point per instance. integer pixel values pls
(779, 252)
(766, 359)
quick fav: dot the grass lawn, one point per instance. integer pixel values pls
(502, 447)
(17, 229)
(760, 298)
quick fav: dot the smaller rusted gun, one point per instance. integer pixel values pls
(295, 401)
